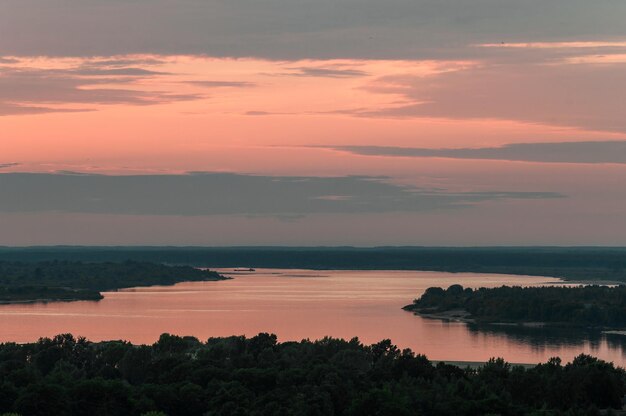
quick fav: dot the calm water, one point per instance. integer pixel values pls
(298, 304)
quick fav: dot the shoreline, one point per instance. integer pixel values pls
(100, 295)
(457, 315)
(562, 279)
(618, 332)
(462, 316)
(594, 282)
(474, 365)
(45, 300)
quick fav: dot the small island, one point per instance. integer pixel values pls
(27, 282)
(581, 306)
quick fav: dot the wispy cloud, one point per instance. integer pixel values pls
(564, 152)
(8, 165)
(26, 88)
(7, 109)
(326, 72)
(117, 61)
(222, 84)
(556, 45)
(200, 194)
(98, 71)
(583, 96)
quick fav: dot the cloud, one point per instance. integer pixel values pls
(200, 194)
(32, 90)
(556, 45)
(222, 84)
(292, 29)
(8, 165)
(584, 96)
(7, 109)
(128, 61)
(265, 113)
(92, 70)
(326, 72)
(564, 152)
(336, 71)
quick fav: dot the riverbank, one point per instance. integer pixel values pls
(76, 281)
(36, 294)
(49, 300)
(465, 317)
(456, 315)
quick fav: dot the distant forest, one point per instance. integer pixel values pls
(589, 306)
(568, 263)
(72, 280)
(181, 376)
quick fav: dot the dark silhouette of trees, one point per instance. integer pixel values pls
(588, 306)
(181, 376)
(571, 263)
(67, 281)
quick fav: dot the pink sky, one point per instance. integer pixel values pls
(146, 114)
(247, 115)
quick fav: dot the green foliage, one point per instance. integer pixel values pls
(597, 306)
(63, 280)
(181, 376)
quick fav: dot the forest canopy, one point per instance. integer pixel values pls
(182, 376)
(597, 306)
(570, 263)
(72, 280)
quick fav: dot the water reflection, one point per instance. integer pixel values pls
(539, 337)
(299, 304)
(543, 341)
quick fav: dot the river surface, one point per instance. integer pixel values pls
(299, 304)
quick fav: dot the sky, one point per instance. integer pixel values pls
(312, 122)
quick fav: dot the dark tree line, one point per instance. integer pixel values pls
(181, 376)
(576, 263)
(597, 306)
(66, 280)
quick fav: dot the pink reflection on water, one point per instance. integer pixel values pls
(294, 304)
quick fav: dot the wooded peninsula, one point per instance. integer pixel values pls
(73, 280)
(580, 306)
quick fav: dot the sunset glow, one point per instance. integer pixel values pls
(415, 117)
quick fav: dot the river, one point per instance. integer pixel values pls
(299, 304)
